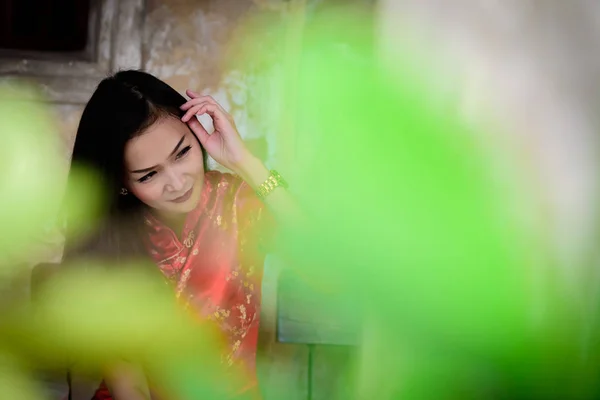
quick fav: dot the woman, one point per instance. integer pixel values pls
(205, 230)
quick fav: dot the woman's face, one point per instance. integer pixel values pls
(164, 167)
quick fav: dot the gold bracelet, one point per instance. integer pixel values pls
(273, 182)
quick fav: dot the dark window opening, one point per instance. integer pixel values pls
(44, 25)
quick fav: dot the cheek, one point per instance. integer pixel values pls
(195, 163)
(147, 193)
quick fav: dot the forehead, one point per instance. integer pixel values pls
(155, 144)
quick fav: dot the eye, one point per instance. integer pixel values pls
(183, 152)
(146, 177)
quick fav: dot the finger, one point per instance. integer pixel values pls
(192, 94)
(199, 100)
(212, 100)
(194, 110)
(208, 98)
(198, 130)
(215, 112)
(193, 101)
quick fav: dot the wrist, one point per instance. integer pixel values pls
(253, 171)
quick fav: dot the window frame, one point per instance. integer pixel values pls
(114, 43)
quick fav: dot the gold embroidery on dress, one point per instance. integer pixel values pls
(236, 331)
(189, 242)
(182, 281)
(171, 257)
(224, 313)
(229, 357)
(220, 314)
(242, 309)
(236, 321)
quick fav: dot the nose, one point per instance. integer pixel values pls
(176, 181)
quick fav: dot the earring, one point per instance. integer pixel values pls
(124, 192)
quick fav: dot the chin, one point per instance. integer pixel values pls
(180, 209)
(190, 204)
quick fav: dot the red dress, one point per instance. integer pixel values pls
(216, 264)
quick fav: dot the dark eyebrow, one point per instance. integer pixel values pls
(140, 171)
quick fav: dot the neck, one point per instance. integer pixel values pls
(173, 221)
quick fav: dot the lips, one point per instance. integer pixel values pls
(185, 197)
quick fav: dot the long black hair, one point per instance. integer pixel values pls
(123, 106)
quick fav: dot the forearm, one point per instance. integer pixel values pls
(281, 203)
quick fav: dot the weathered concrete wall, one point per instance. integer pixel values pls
(185, 43)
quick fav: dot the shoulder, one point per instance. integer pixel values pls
(222, 182)
(225, 190)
